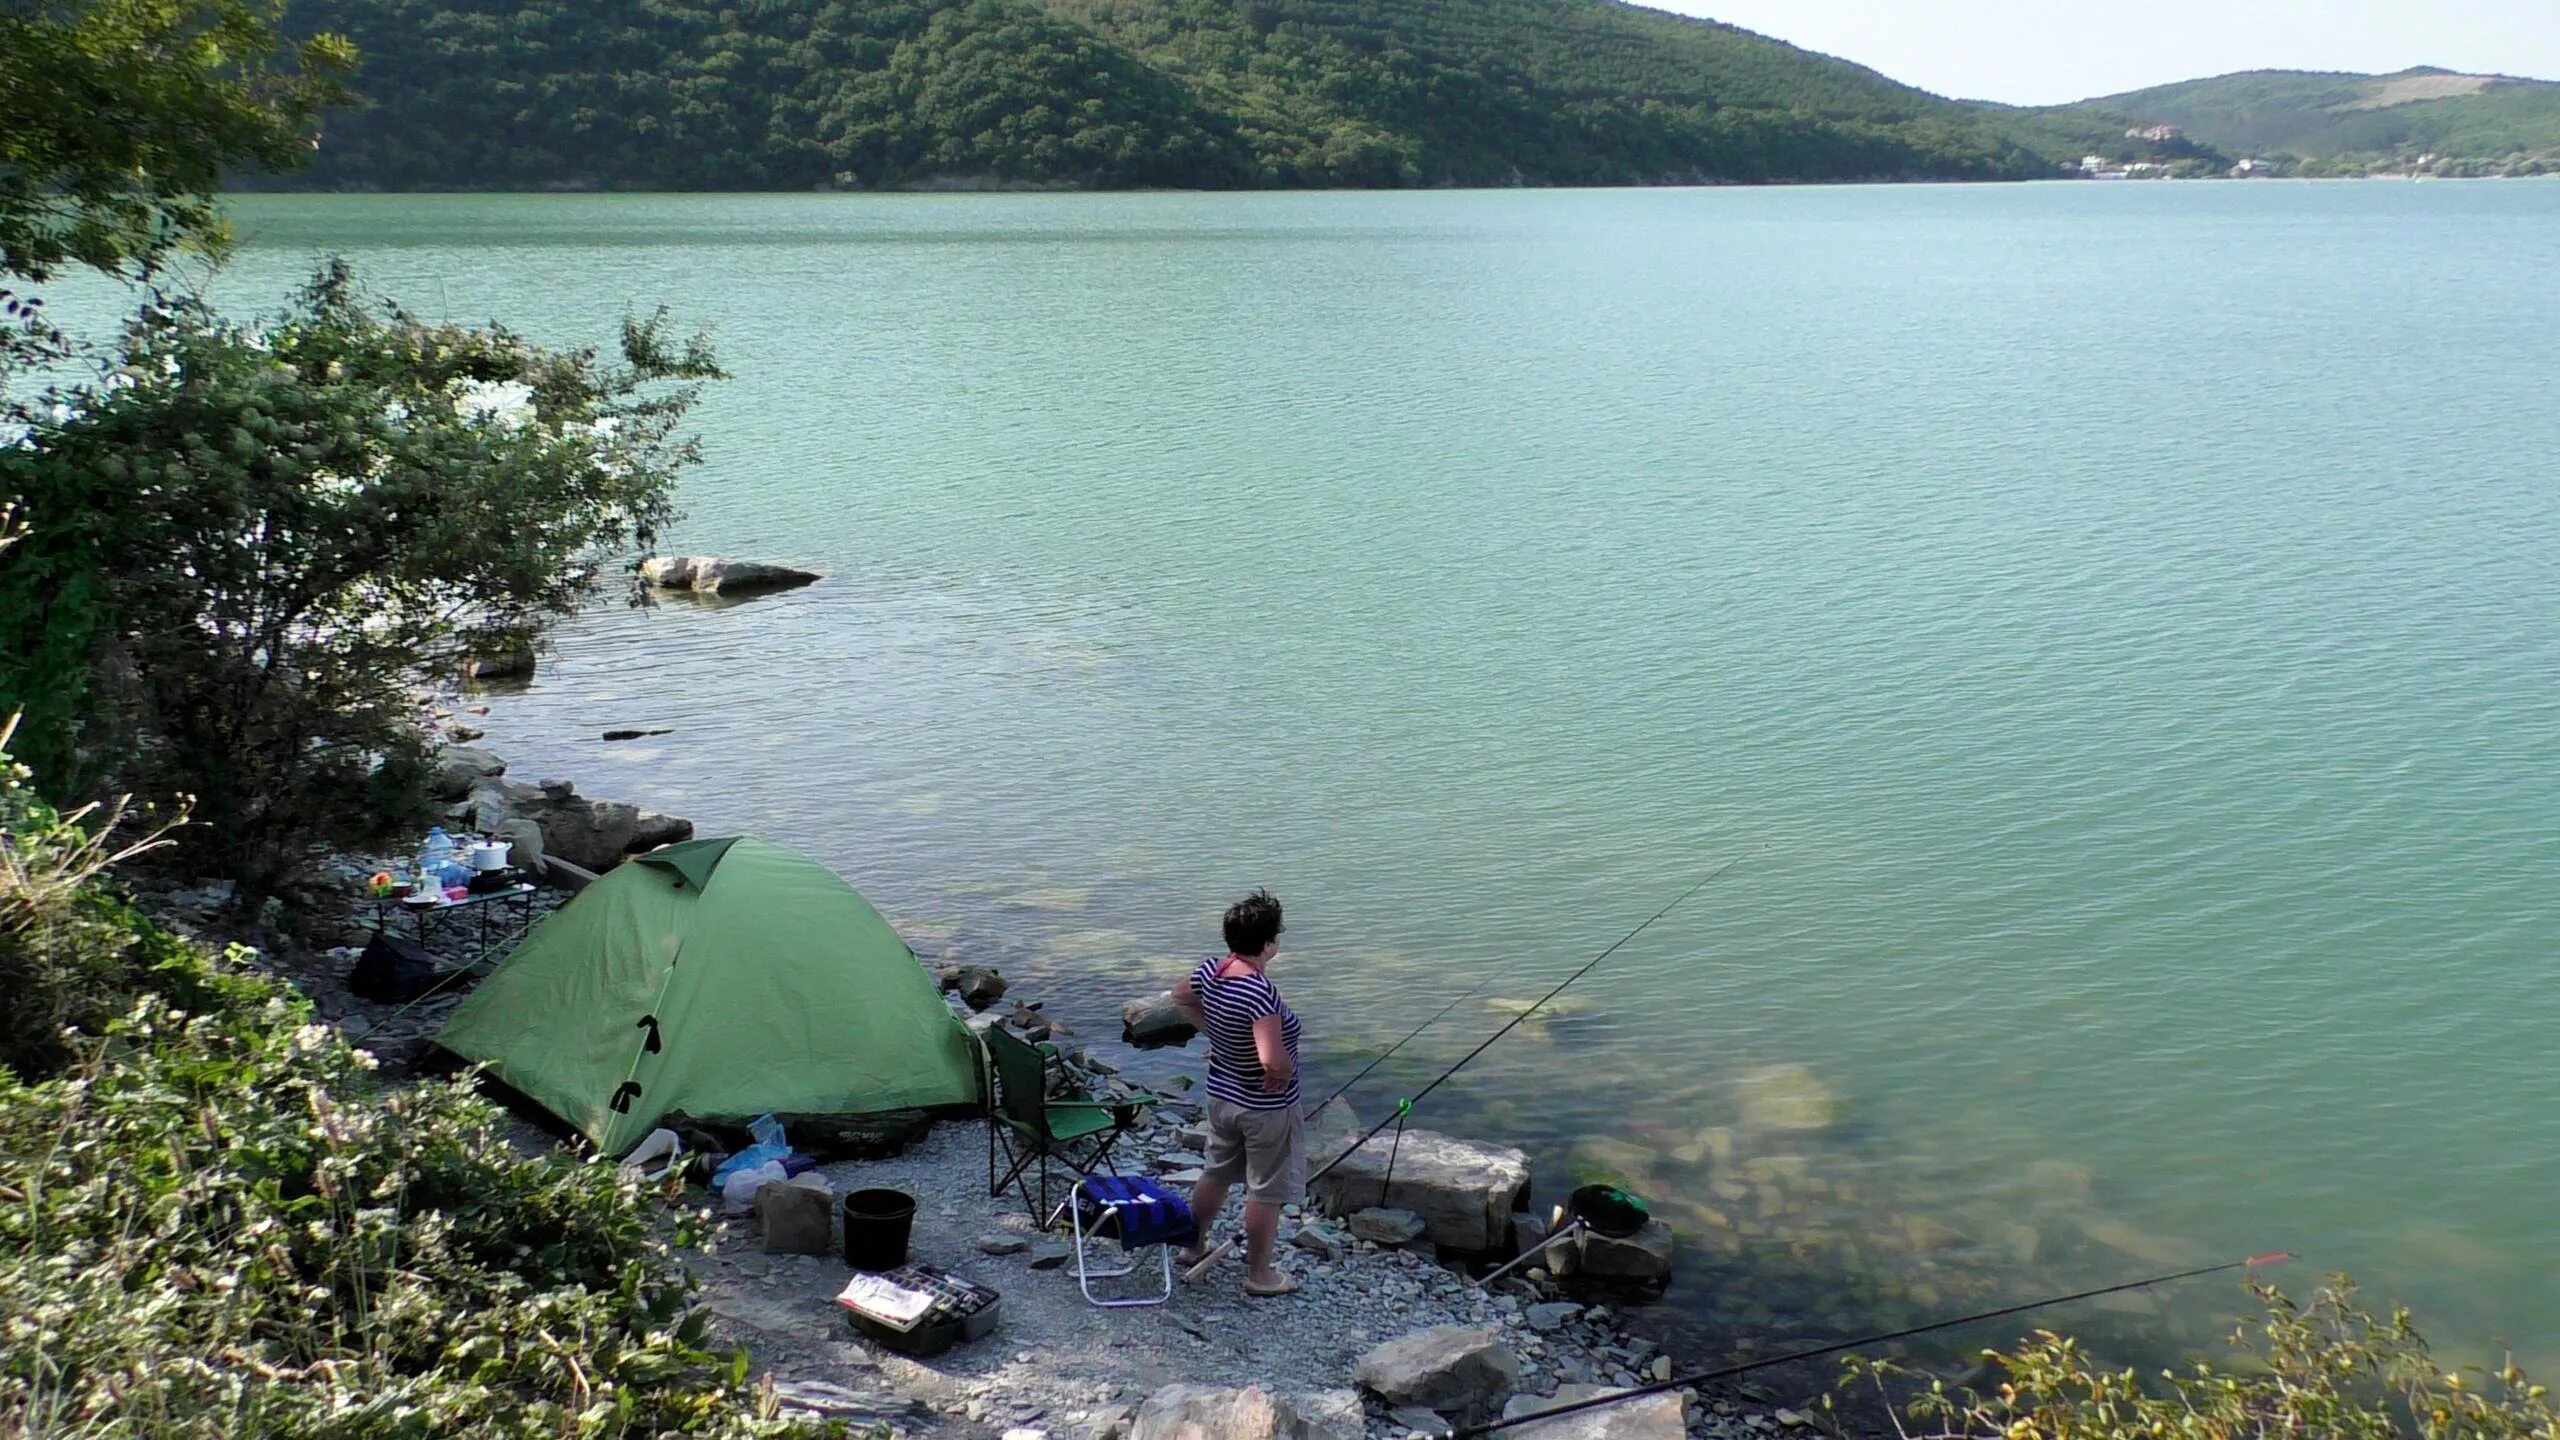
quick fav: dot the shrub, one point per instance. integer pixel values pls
(214, 1223)
(244, 548)
(2325, 1368)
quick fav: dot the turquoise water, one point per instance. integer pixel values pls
(2116, 624)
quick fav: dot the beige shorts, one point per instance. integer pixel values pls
(1267, 1149)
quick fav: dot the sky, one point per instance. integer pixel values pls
(2043, 52)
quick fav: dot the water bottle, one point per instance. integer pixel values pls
(435, 860)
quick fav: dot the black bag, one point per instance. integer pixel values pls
(392, 971)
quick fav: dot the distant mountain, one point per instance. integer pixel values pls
(2335, 118)
(791, 94)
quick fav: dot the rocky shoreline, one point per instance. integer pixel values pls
(1384, 1336)
(1388, 1337)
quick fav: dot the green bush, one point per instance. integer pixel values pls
(2322, 1368)
(245, 547)
(214, 1223)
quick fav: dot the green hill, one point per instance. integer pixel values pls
(2340, 117)
(791, 94)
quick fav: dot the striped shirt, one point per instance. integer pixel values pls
(1231, 1004)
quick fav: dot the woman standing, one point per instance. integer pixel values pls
(1256, 1133)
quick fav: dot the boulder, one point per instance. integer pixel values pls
(798, 1216)
(461, 767)
(1653, 1417)
(524, 844)
(1455, 1369)
(1465, 1193)
(591, 834)
(1528, 1232)
(1337, 1412)
(1642, 1259)
(709, 575)
(651, 830)
(978, 986)
(1788, 1099)
(1386, 1227)
(1213, 1412)
(1154, 1021)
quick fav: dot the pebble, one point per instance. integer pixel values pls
(999, 1243)
(1548, 1318)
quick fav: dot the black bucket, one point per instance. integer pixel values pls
(876, 1223)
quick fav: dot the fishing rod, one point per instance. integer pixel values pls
(1392, 1049)
(1405, 1107)
(1702, 1377)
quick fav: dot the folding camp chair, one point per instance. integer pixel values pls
(1136, 1212)
(1029, 1127)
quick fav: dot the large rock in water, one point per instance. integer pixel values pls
(1458, 1370)
(1654, 1417)
(706, 575)
(1154, 1021)
(1464, 1192)
(1211, 1412)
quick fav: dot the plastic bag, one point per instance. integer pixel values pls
(661, 1149)
(769, 1146)
(738, 1192)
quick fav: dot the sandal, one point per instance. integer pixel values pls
(1185, 1259)
(1286, 1286)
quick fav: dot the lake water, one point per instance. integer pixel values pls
(2118, 627)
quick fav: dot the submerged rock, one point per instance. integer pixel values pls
(1787, 1098)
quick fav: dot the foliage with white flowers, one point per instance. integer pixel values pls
(248, 543)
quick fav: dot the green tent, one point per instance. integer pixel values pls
(723, 978)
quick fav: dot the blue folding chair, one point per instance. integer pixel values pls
(1136, 1212)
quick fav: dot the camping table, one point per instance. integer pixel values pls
(504, 916)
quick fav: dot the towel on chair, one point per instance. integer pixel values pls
(1149, 1213)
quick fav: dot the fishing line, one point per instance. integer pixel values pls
(1392, 1049)
(1702, 1377)
(1405, 1107)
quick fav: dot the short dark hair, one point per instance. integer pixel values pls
(1252, 923)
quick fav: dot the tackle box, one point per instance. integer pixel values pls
(919, 1310)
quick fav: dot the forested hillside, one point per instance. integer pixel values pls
(791, 94)
(2324, 117)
